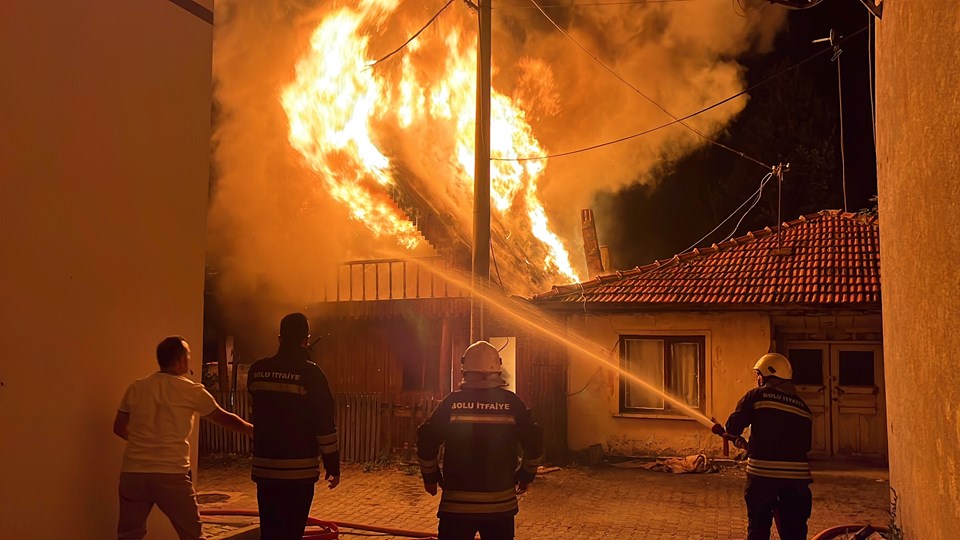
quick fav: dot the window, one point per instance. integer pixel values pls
(856, 368)
(807, 366)
(672, 364)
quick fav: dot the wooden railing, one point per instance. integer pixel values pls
(389, 279)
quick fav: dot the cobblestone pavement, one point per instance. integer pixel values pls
(577, 503)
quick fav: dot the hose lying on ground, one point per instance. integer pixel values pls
(835, 532)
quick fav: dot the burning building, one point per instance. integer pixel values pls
(339, 158)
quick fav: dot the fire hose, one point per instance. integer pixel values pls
(327, 530)
(737, 440)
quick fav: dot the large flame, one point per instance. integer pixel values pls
(340, 111)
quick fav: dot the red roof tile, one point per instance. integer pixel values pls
(827, 258)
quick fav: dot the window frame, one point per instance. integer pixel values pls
(668, 340)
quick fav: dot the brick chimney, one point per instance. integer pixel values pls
(591, 247)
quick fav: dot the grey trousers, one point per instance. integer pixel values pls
(172, 493)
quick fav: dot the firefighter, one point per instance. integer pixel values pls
(778, 472)
(296, 432)
(481, 427)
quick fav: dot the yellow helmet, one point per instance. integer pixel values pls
(481, 357)
(774, 365)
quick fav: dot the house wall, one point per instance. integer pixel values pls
(734, 341)
(104, 144)
(918, 118)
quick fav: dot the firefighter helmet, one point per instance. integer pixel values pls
(774, 365)
(481, 357)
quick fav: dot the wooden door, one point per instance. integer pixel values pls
(857, 400)
(811, 377)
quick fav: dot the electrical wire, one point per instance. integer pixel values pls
(599, 368)
(691, 115)
(759, 190)
(648, 98)
(742, 13)
(759, 193)
(413, 37)
(873, 107)
(597, 4)
(493, 256)
(843, 160)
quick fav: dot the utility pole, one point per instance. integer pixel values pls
(481, 178)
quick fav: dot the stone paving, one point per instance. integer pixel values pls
(578, 503)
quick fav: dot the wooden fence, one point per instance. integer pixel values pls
(369, 428)
(358, 423)
(217, 440)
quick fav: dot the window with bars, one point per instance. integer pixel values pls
(671, 364)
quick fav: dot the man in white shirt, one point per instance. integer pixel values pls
(156, 418)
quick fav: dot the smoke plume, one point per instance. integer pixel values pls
(275, 228)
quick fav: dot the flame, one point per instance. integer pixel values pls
(340, 111)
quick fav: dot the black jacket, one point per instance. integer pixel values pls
(293, 419)
(483, 431)
(780, 433)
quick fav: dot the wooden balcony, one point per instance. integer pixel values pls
(389, 279)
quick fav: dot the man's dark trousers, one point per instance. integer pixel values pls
(459, 528)
(790, 497)
(284, 507)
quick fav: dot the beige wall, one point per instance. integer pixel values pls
(918, 125)
(734, 341)
(104, 143)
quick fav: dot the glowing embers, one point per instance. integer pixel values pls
(352, 124)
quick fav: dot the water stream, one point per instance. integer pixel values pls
(532, 319)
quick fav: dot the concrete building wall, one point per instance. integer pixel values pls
(918, 125)
(104, 145)
(733, 342)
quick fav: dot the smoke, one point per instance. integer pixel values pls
(275, 231)
(682, 55)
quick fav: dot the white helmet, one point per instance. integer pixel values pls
(774, 365)
(481, 357)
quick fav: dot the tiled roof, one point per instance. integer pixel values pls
(827, 258)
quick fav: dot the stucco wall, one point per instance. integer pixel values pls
(734, 341)
(104, 144)
(918, 122)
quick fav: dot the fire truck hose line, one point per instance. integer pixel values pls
(328, 530)
(839, 530)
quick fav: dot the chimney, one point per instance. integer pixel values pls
(591, 247)
(605, 259)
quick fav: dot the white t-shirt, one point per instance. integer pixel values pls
(162, 408)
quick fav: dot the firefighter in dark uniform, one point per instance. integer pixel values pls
(482, 427)
(778, 472)
(293, 403)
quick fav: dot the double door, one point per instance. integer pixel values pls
(842, 383)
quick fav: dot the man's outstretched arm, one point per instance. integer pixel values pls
(230, 421)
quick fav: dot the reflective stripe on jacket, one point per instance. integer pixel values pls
(482, 431)
(293, 419)
(780, 432)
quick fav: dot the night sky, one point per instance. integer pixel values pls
(794, 119)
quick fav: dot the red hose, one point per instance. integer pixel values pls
(326, 530)
(834, 532)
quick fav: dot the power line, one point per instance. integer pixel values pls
(691, 115)
(413, 37)
(759, 191)
(648, 98)
(598, 4)
(843, 158)
(759, 196)
(873, 107)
